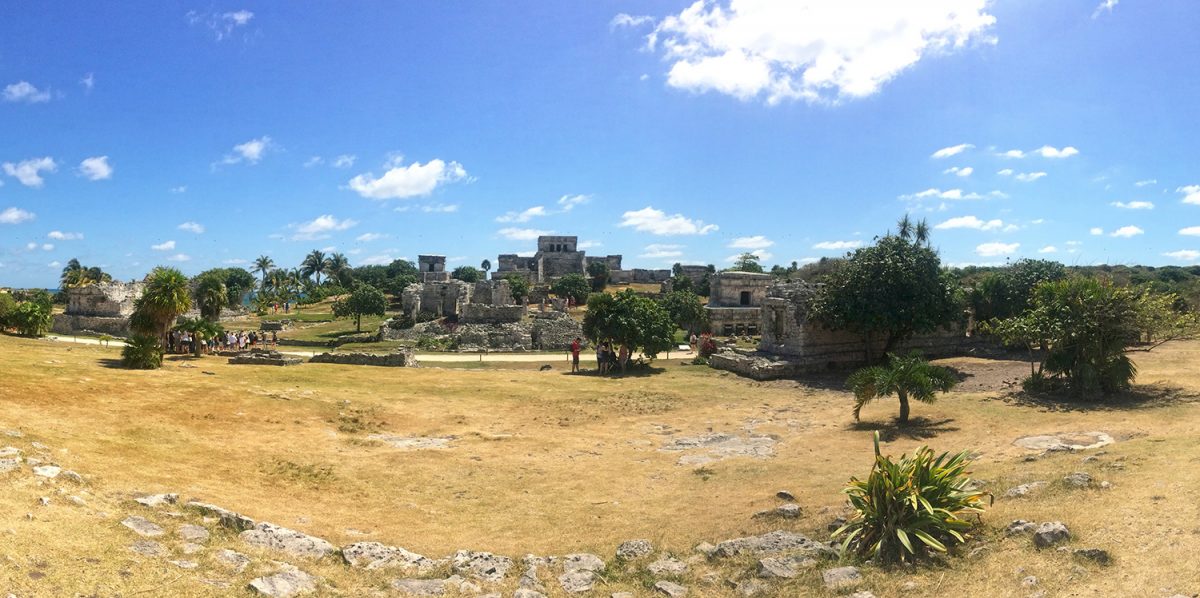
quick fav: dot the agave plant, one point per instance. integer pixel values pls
(142, 352)
(907, 508)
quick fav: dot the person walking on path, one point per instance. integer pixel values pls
(575, 347)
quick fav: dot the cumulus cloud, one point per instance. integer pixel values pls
(1191, 194)
(88, 82)
(58, 235)
(368, 237)
(524, 215)
(29, 172)
(164, 246)
(657, 222)
(1096, 231)
(1029, 177)
(838, 245)
(582, 245)
(1146, 182)
(1127, 231)
(997, 249)
(658, 251)
(1184, 255)
(222, 24)
(815, 51)
(344, 161)
(440, 208)
(179, 257)
(235, 262)
(970, 222)
(522, 234)
(249, 152)
(963, 171)
(413, 180)
(1191, 231)
(568, 202)
(192, 227)
(1134, 205)
(96, 168)
(1048, 249)
(1005, 172)
(24, 91)
(320, 227)
(628, 20)
(1014, 153)
(1105, 7)
(954, 194)
(1047, 151)
(15, 216)
(313, 161)
(755, 242)
(953, 150)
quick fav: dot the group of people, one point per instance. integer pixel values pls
(182, 341)
(606, 358)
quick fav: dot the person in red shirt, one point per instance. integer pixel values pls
(575, 346)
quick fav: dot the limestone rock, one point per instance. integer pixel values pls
(773, 543)
(268, 535)
(148, 548)
(73, 477)
(785, 495)
(228, 518)
(142, 526)
(582, 562)
(577, 581)
(185, 564)
(671, 589)
(528, 593)
(157, 500)
(1023, 490)
(667, 566)
(233, 559)
(481, 565)
(193, 533)
(10, 464)
(47, 471)
(784, 567)
(1096, 555)
(191, 548)
(1079, 479)
(286, 583)
(1050, 533)
(862, 594)
(632, 549)
(1020, 527)
(840, 578)
(10, 451)
(622, 595)
(420, 587)
(374, 555)
(705, 549)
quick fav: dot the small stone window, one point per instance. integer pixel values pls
(745, 298)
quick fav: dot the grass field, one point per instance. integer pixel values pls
(549, 463)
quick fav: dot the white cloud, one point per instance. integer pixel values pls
(582, 245)
(656, 251)
(762, 255)
(1106, 6)
(657, 222)
(440, 208)
(249, 152)
(1014, 153)
(1096, 231)
(54, 264)
(179, 257)
(1048, 249)
(368, 237)
(1047, 151)
(28, 172)
(320, 227)
(96, 168)
(815, 51)
(1005, 172)
(628, 20)
(838, 245)
(178, 190)
(995, 249)
(1191, 231)
(522, 234)
(221, 24)
(31, 246)
(953, 150)
(235, 262)
(1127, 231)
(1191, 194)
(15, 216)
(524, 215)
(192, 227)
(414, 180)
(1134, 205)
(963, 171)
(1146, 182)
(164, 246)
(24, 91)
(344, 161)
(1029, 177)
(954, 194)
(1038, 220)
(568, 202)
(58, 235)
(313, 161)
(88, 82)
(969, 222)
(1184, 255)
(382, 259)
(755, 242)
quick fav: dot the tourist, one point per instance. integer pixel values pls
(623, 358)
(600, 357)
(274, 339)
(692, 340)
(575, 346)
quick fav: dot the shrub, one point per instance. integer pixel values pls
(573, 286)
(142, 352)
(707, 346)
(30, 318)
(467, 274)
(904, 376)
(907, 508)
(7, 306)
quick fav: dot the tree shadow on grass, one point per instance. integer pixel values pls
(111, 363)
(1141, 396)
(917, 428)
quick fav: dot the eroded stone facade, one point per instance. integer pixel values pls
(735, 302)
(556, 256)
(484, 301)
(102, 308)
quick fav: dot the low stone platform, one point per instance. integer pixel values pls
(402, 358)
(264, 357)
(759, 366)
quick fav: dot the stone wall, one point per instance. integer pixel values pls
(264, 357)
(107, 299)
(727, 288)
(694, 272)
(557, 265)
(401, 358)
(475, 313)
(554, 331)
(612, 261)
(734, 321)
(638, 275)
(66, 324)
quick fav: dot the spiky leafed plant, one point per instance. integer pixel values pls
(142, 352)
(263, 265)
(201, 330)
(212, 297)
(907, 508)
(165, 297)
(339, 269)
(907, 376)
(315, 263)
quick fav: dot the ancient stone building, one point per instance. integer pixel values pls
(556, 257)
(102, 308)
(433, 268)
(694, 272)
(484, 301)
(735, 301)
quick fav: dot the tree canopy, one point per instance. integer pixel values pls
(364, 300)
(467, 274)
(685, 309)
(573, 286)
(626, 318)
(747, 262)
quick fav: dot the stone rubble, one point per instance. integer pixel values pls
(292, 542)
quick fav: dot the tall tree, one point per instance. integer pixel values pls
(486, 266)
(165, 297)
(339, 269)
(315, 263)
(747, 262)
(628, 319)
(364, 300)
(263, 264)
(211, 296)
(685, 309)
(466, 274)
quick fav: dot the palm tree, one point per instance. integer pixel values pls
(72, 274)
(339, 268)
(486, 266)
(908, 376)
(314, 263)
(263, 265)
(165, 297)
(212, 297)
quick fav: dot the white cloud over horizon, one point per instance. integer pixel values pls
(1133, 205)
(1126, 232)
(524, 215)
(1047, 151)
(969, 222)
(192, 227)
(522, 234)
(661, 251)
(657, 222)
(754, 242)
(997, 249)
(58, 235)
(1191, 194)
(838, 245)
(320, 227)
(250, 152)
(1185, 255)
(164, 246)
(401, 182)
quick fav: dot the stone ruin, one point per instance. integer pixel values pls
(399, 358)
(263, 357)
(433, 268)
(735, 302)
(792, 344)
(558, 256)
(483, 302)
(102, 308)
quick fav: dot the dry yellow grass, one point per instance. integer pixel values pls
(550, 463)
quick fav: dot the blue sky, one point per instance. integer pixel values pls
(203, 135)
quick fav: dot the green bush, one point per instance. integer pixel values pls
(907, 508)
(30, 318)
(573, 286)
(142, 352)
(7, 306)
